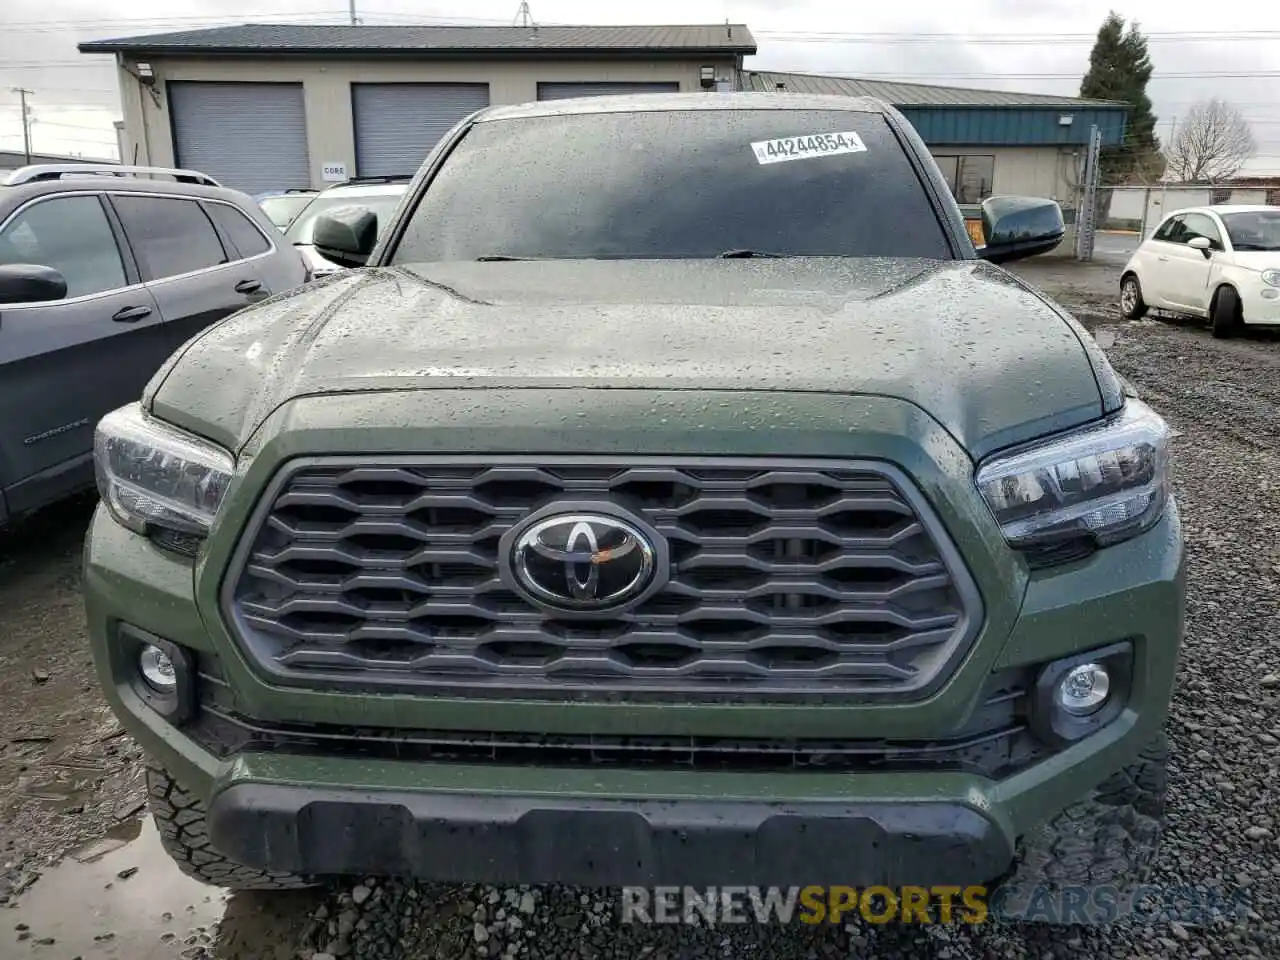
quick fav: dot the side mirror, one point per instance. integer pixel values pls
(346, 235)
(30, 283)
(1019, 227)
(1203, 244)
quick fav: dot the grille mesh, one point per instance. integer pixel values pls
(786, 578)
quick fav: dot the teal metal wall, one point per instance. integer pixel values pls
(1013, 126)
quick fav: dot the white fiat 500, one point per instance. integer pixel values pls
(1220, 262)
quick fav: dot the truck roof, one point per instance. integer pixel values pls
(652, 102)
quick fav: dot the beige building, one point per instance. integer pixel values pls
(263, 107)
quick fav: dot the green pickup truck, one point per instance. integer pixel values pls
(671, 495)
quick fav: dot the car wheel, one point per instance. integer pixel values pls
(1225, 315)
(1108, 838)
(1132, 306)
(182, 820)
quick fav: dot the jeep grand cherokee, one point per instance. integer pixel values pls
(675, 497)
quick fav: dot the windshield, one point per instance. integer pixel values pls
(383, 205)
(1257, 230)
(675, 184)
(281, 210)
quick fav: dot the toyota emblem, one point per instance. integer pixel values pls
(583, 561)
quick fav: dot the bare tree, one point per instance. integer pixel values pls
(1212, 142)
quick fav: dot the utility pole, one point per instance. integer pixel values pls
(1164, 180)
(351, 12)
(23, 93)
(1087, 212)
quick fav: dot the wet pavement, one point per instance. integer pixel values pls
(1114, 248)
(121, 897)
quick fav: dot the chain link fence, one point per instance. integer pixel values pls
(1140, 209)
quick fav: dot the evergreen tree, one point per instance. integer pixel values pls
(1119, 69)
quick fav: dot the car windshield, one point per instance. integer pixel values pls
(676, 184)
(1256, 230)
(382, 204)
(281, 210)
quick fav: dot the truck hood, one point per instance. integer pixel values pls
(988, 358)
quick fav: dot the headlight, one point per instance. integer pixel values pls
(1098, 485)
(157, 480)
(1271, 277)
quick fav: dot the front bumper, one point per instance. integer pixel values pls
(1260, 303)
(526, 837)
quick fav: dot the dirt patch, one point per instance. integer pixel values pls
(68, 774)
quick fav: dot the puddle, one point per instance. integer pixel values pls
(1105, 338)
(157, 913)
(121, 835)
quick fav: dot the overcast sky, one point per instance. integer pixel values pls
(1029, 45)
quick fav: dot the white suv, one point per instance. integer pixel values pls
(1220, 262)
(379, 195)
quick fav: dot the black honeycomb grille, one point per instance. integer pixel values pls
(786, 578)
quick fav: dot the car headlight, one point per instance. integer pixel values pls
(158, 480)
(1094, 486)
(1271, 277)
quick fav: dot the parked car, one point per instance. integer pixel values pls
(378, 195)
(101, 278)
(282, 206)
(1220, 262)
(673, 497)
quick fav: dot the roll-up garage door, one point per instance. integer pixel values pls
(397, 124)
(249, 136)
(563, 91)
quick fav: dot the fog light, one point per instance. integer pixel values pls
(159, 672)
(157, 669)
(1083, 689)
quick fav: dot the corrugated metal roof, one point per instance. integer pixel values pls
(425, 40)
(910, 94)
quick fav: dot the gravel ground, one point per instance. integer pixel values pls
(68, 774)
(1223, 398)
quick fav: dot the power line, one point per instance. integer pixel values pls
(894, 75)
(69, 107)
(861, 35)
(74, 126)
(925, 77)
(165, 21)
(998, 39)
(48, 89)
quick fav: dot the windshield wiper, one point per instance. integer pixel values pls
(1254, 246)
(501, 258)
(749, 255)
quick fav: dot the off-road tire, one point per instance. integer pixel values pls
(1136, 308)
(1107, 839)
(1225, 314)
(181, 818)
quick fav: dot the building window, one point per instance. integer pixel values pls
(969, 176)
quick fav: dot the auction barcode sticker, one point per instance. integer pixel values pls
(812, 145)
